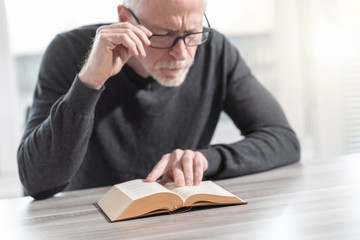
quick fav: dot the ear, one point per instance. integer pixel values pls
(122, 13)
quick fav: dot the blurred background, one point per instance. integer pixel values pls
(306, 52)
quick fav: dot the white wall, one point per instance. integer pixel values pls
(9, 121)
(233, 17)
(290, 88)
(332, 51)
(33, 24)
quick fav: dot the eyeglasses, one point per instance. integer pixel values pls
(161, 41)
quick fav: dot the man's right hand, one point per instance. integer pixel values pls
(112, 48)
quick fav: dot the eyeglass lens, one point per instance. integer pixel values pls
(168, 41)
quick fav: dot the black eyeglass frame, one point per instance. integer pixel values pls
(177, 37)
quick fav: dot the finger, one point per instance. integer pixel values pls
(142, 32)
(125, 32)
(200, 166)
(160, 168)
(139, 45)
(139, 36)
(147, 32)
(114, 38)
(166, 178)
(178, 174)
(187, 166)
(127, 42)
(124, 37)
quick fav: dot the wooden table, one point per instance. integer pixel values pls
(318, 199)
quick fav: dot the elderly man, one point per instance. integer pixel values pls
(141, 99)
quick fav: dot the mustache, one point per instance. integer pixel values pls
(175, 64)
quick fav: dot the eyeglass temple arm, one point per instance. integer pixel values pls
(134, 16)
(207, 20)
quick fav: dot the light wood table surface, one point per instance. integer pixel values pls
(318, 199)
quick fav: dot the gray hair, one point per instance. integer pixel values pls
(136, 4)
(132, 4)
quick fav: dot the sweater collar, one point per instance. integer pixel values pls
(147, 83)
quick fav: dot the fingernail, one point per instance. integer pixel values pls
(188, 182)
(179, 183)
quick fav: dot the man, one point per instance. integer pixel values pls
(145, 104)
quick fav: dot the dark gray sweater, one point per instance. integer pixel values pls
(77, 137)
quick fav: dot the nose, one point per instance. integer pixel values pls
(179, 50)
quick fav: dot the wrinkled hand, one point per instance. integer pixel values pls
(112, 48)
(184, 167)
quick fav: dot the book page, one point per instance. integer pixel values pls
(205, 187)
(138, 188)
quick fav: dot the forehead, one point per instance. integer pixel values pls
(172, 13)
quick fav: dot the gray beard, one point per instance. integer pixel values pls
(168, 81)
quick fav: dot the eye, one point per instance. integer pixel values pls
(162, 32)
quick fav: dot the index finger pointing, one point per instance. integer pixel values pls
(159, 169)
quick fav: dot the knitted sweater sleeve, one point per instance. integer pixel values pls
(268, 142)
(60, 122)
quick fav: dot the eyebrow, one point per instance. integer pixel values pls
(162, 29)
(156, 28)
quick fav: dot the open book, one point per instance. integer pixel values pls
(138, 198)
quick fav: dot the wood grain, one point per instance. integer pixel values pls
(318, 199)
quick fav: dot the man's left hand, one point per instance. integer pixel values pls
(184, 167)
